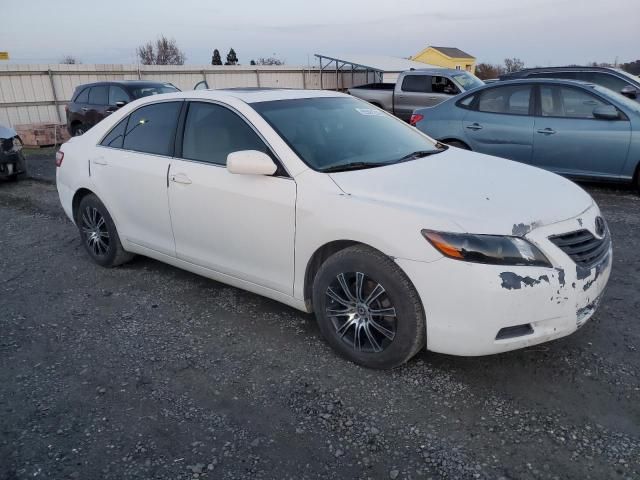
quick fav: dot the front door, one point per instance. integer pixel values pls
(500, 123)
(239, 225)
(568, 139)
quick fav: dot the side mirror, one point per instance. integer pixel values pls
(630, 91)
(250, 162)
(606, 112)
(120, 104)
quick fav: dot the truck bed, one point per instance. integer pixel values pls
(376, 86)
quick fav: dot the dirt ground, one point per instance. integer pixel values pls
(146, 371)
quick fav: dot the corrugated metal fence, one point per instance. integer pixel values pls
(38, 93)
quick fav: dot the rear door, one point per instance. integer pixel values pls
(414, 93)
(500, 122)
(568, 139)
(130, 174)
(97, 106)
(239, 225)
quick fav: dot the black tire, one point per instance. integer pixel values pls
(458, 144)
(353, 342)
(98, 233)
(78, 129)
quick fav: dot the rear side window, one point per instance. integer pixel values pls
(212, 132)
(115, 137)
(151, 129)
(467, 102)
(513, 100)
(416, 83)
(99, 95)
(83, 96)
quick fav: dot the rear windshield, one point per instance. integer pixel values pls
(333, 131)
(467, 80)
(147, 90)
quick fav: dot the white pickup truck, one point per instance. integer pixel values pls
(417, 89)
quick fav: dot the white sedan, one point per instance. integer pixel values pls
(325, 203)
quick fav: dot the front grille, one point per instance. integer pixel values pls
(583, 247)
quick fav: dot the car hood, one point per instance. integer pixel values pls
(475, 192)
(7, 132)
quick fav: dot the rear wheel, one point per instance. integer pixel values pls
(98, 233)
(78, 129)
(367, 309)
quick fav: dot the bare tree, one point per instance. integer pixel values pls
(69, 60)
(270, 61)
(485, 71)
(513, 65)
(163, 51)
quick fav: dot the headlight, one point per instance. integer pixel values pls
(491, 249)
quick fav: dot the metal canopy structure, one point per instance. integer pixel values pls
(377, 65)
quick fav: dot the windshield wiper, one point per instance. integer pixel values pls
(421, 154)
(352, 166)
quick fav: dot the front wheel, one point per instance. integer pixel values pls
(98, 233)
(367, 309)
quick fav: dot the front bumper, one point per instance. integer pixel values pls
(475, 309)
(11, 163)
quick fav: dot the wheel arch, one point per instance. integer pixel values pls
(77, 198)
(457, 140)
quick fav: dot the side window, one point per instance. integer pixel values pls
(512, 100)
(83, 96)
(115, 137)
(212, 132)
(606, 80)
(416, 83)
(575, 103)
(117, 94)
(467, 102)
(151, 129)
(98, 96)
(443, 85)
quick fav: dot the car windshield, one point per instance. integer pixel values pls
(147, 90)
(333, 132)
(618, 98)
(630, 76)
(467, 81)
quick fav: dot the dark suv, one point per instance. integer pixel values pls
(612, 78)
(92, 102)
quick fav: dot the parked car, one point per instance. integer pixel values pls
(572, 128)
(92, 102)
(614, 79)
(327, 204)
(12, 162)
(416, 89)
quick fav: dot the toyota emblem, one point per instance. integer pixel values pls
(600, 226)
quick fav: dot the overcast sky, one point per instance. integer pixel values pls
(540, 32)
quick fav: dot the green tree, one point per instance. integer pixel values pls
(232, 58)
(215, 58)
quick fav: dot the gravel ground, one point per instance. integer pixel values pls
(146, 371)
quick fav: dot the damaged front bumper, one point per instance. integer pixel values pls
(476, 309)
(12, 161)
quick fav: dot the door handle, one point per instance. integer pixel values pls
(474, 126)
(180, 178)
(99, 161)
(547, 131)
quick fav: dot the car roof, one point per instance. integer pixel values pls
(253, 95)
(436, 71)
(559, 81)
(125, 83)
(568, 68)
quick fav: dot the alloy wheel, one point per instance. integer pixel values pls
(361, 312)
(95, 231)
